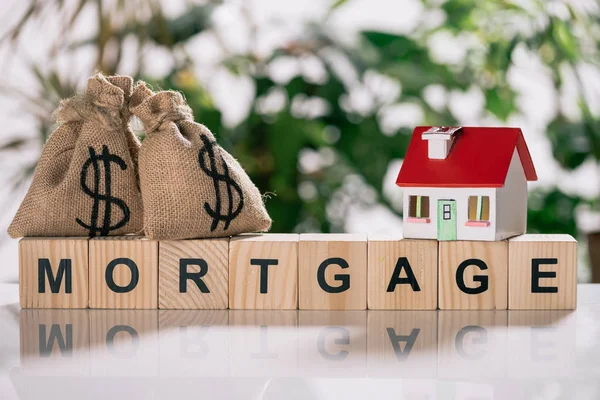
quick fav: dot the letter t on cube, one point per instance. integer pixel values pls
(333, 272)
(53, 272)
(263, 272)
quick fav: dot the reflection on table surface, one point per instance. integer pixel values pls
(126, 354)
(272, 354)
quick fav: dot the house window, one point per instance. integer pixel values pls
(447, 214)
(479, 208)
(418, 207)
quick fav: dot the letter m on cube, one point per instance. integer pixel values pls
(53, 272)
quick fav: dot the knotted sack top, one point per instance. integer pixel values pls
(105, 102)
(154, 110)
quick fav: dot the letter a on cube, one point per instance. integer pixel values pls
(53, 272)
(542, 272)
(402, 274)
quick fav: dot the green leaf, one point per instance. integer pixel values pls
(14, 144)
(459, 14)
(395, 47)
(500, 101)
(337, 3)
(564, 40)
(570, 141)
(169, 32)
(408, 61)
(551, 211)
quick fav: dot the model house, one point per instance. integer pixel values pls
(466, 183)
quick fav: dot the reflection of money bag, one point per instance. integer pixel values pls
(191, 187)
(85, 183)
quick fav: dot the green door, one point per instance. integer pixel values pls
(446, 217)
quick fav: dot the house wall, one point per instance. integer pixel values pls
(461, 195)
(511, 201)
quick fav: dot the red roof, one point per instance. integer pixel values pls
(479, 157)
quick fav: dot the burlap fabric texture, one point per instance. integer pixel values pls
(85, 183)
(191, 187)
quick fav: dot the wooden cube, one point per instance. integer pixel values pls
(53, 272)
(193, 274)
(473, 275)
(402, 274)
(55, 342)
(402, 344)
(263, 272)
(542, 272)
(123, 272)
(333, 271)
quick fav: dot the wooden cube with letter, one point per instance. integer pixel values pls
(53, 272)
(333, 272)
(193, 274)
(263, 272)
(402, 273)
(473, 275)
(542, 272)
(123, 272)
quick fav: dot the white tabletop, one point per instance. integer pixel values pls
(300, 354)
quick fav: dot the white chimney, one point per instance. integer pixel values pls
(440, 140)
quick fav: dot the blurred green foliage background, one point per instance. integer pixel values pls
(307, 115)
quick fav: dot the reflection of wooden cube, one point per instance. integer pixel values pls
(53, 272)
(124, 342)
(333, 271)
(402, 274)
(473, 275)
(543, 272)
(55, 342)
(543, 344)
(473, 344)
(263, 343)
(335, 343)
(123, 272)
(402, 343)
(193, 274)
(194, 343)
(263, 271)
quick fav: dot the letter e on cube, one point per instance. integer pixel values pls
(542, 272)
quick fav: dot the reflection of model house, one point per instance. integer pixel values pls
(466, 183)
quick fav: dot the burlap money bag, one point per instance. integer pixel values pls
(191, 187)
(85, 183)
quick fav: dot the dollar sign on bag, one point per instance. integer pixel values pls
(208, 164)
(101, 164)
